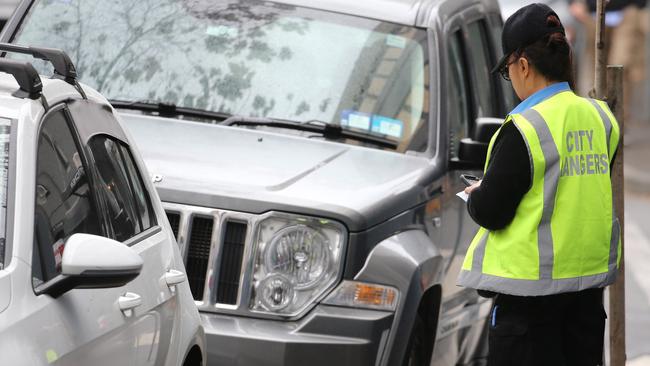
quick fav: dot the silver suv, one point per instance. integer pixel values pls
(90, 273)
(308, 155)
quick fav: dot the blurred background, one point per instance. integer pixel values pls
(628, 41)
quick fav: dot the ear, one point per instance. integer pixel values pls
(524, 66)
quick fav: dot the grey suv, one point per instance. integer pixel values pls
(308, 155)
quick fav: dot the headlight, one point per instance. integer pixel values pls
(297, 261)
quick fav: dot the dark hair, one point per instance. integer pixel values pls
(551, 55)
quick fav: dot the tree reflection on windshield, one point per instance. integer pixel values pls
(247, 57)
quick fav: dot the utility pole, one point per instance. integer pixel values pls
(600, 79)
(609, 86)
(615, 100)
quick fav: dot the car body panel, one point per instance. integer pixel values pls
(395, 11)
(7, 8)
(358, 186)
(411, 263)
(328, 335)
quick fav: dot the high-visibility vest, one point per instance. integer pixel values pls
(565, 235)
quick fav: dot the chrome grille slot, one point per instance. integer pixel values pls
(217, 248)
(175, 222)
(232, 253)
(198, 254)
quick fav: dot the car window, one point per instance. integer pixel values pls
(248, 58)
(5, 132)
(142, 200)
(509, 98)
(481, 66)
(458, 101)
(64, 201)
(121, 189)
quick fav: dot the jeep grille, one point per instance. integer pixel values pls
(198, 253)
(232, 253)
(174, 220)
(215, 246)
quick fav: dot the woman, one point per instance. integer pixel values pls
(549, 239)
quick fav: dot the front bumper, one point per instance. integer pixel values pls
(329, 335)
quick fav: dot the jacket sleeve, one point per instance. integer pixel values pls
(507, 179)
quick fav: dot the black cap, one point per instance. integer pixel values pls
(525, 27)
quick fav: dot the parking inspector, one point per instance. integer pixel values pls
(549, 237)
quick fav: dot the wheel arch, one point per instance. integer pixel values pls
(194, 357)
(412, 263)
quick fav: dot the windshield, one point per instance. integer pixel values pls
(249, 58)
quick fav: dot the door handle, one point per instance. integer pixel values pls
(128, 302)
(174, 277)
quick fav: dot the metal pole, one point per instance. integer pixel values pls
(617, 290)
(600, 79)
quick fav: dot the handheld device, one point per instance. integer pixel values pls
(469, 179)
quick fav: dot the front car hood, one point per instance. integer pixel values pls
(256, 171)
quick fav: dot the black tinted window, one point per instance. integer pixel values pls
(142, 201)
(481, 65)
(64, 202)
(509, 98)
(458, 105)
(121, 188)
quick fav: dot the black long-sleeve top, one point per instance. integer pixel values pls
(507, 179)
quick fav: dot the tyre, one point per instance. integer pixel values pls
(419, 349)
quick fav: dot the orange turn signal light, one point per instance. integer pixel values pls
(373, 295)
(364, 295)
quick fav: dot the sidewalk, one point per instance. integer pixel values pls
(640, 361)
(637, 234)
(637, 157)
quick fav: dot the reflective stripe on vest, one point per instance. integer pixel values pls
(501, 260)
(614, 244)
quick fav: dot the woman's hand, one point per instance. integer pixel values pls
(469, 189)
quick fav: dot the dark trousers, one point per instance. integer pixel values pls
(556, 330)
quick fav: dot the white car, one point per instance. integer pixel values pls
(90, 272)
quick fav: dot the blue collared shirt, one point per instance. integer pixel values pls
(540, 96)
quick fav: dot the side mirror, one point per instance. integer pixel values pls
(485, 128)
(472, 151)
(91, 261)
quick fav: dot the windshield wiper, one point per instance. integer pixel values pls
(327, 130)
(169, 109)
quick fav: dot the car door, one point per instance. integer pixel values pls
(87, 181)
(457, 301)
(82, 326)
(470, 94)
(483, 98)
(130, 219)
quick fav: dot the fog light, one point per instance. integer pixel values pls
(277, 292)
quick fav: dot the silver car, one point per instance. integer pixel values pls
(90, 273)
(308, 156)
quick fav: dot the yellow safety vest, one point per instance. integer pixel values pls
(565, 235)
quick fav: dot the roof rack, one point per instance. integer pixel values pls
(26, 76)
(63, 66)
(24, 72)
